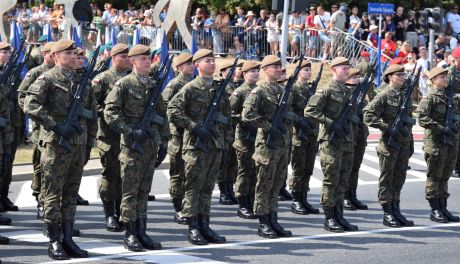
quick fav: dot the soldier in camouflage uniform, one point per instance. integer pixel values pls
(360, 132)
(381, 113)
(271, 161)
(47, 103)
(36, 56)
(304, 145)
(456, 68)
(30, 78)
(364, 67)
(229, 165)
(336, 157)
(245, 136)
(185, 67)
(108, 140)
(187, 110)
(440, 157)
(5, 139)
(124, 107)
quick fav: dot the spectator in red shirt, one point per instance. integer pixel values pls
(312, 34)
(388, 46)
(406, 49)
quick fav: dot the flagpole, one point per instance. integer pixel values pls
(284, 33)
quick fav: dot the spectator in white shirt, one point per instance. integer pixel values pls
(321, 21)
(354, 18)
(425, 64)
(453, 20)
(296, 25)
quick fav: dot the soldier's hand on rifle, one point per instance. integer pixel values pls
(63, 130)
(162, 151)
(338, 130)
(139, 135)
(201, 132)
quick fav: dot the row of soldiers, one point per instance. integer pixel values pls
(242, 140)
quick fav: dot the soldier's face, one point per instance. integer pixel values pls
(354, 80)
(4, 56)
(121, 61)
(305, 74)
(80, 61)
(48, 58)
(251, 76)
(397, 79)
(141, 64)
(341, 72)
(440, 81)
(206, 66)
(187, 68)
(67, 59)
(273, 72)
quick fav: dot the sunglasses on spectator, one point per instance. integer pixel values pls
(335, 7)
(400, 74)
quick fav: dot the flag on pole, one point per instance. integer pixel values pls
(16, 43)
(163, 57)
(194, 49)
(49, 36)
(136, 37)
(113, 36)
(75, 37)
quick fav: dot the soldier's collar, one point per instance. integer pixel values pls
(207, 80)
(438, 91)
(251, 84)
(143, 78)
(67, 72)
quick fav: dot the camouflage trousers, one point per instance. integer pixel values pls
(359, 147)
(201, 171)
(17, 133)
(303, 162)
(136, 180)
(271, 175)
(37, 177)
(176, 168)
(393, 167)
(246, 177)
(62, 172)
(336, 162)
(110, 187)
(439, 170)
(229, 166)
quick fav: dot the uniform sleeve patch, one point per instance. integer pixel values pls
(235, 93)
(97, 80)
(40, 77)
(254, 91)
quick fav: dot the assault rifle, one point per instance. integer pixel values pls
(402, 119)
(102, 68)
(149, 116)
(15, 79)
(11, 64)
(311, 91)
(366, 83)
(282, 113)
(450, 116)
(76, 110)
(212, 116)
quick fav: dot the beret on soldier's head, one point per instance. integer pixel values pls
(353, 72)
(339, 61)
(393, 69)
(250, 65)
(229, 63)
(183, 58)
(120, 48)
(305, 63)
(48, 46)
(437, 71)
(139, 50)
(63, 44)
(5, 46)
(202, 53)
(80, 52)
(456, 53)
(270, 60)
(43, 38)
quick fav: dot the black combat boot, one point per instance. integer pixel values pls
(307, 205)
(178, 217)
(2, 210)
(243, 209)
(4, 240)
(6, 202)
(231, 192)
(207, 232)
(194, 234)
(331, 223)
(436, 213)
(5, 220)
(397, 214)
(388, 217)
(284, 195)
(297, 205)
(347, 204)
(55, 249)
(225, 197)
(131, 242)
(341, 220)
(280, 231)
(151, 198)
(81, 201)
(72, 249)
(357, 203)
(111, 222)
(144, 239)
(264, 229)
(450, 217)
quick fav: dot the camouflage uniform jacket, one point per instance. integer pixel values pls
(48, 100)
(190, 107)
(125, 105)
(236, 103)
(326, 105)
(300, 99)
(102, 85)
